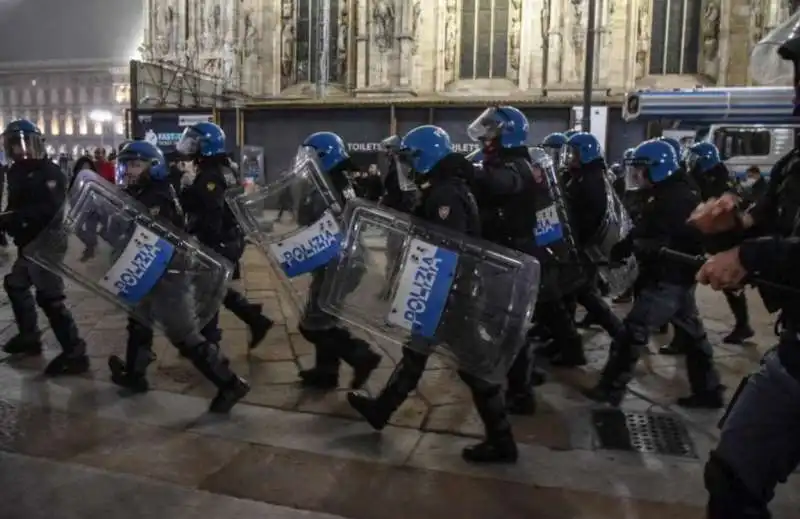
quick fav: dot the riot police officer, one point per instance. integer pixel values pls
(714, 180)
(667, 287)
(554, 143)
(523, 214)
(211, 220)
(143, 170)
(758, 445)
(588, 197)
(446, 201)
(332, 342)
(36, 195)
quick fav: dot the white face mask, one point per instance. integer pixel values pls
(748, 182)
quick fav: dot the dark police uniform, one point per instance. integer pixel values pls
(36, 195)
(521, 194)
(211, 220)
(588, 200)
(447, 201)
(666, 293)
(160, 199)
(758, 446)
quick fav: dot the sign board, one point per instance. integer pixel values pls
(598, 121)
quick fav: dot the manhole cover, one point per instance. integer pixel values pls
(650, 433)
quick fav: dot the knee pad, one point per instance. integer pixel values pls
(728, 497)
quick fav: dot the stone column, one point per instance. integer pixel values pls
(362, 45)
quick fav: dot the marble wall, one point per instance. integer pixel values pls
(458, 47)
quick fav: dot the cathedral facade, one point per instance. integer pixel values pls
(458, 48)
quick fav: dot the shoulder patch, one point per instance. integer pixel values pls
(52, 184)
(211, 186)
(443, 212)
(155, 210)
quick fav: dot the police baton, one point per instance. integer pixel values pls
(699, 260)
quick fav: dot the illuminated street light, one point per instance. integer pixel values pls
(100, 116)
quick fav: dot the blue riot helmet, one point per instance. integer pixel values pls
(329, 148)
(554, 141)
(703, 156)
(676, 146)
(653, 161)
(425, 146)
(140, 161)
(628, 154)
(202, 140)
(23, 140)
(499, 127)
(581, 149)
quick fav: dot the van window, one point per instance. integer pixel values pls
(735, 142)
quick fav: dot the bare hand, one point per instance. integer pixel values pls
(716, 215)
(723, 270)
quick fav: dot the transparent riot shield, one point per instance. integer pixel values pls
(156, 273)
(615, 226)
(294, 222)
(563, 272)
(436, 292)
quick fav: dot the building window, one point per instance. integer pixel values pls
(122, 94)
(55, 127)
(119, 127)
(83, 126)
(675, 40)
(743, 142)
(69, 124)
(40, 122)
(98, 128)
(54, 95)
(308, 23)
(484, 39)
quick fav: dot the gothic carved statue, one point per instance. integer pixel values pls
(165, 37)
(342, 44)
(642, 41)
(250, 36)
(416, 19)
(710, 30)
(758, 24)
(450, 35)
(515, 36)
(287, 50)
(383, 22)
(214, 36)
(578, 39)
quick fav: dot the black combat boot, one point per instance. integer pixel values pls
(73, 360)
(358, 354)
(499, 445)
(616, 374)
(132, 381)
(24, 345)
(742, 330)
(404, 379)
(209, 360)
(704, 380)
(250, 314)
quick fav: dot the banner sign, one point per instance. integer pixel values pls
(375, 147)
(164, 129)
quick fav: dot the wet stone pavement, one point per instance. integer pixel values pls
(73, 447)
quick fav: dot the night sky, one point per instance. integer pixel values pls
(40, 30)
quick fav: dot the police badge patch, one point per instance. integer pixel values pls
(444, 212)
(211, 186)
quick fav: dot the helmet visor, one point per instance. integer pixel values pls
(486, 127)
(21, 146)
(636, 176)
(189, 143)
